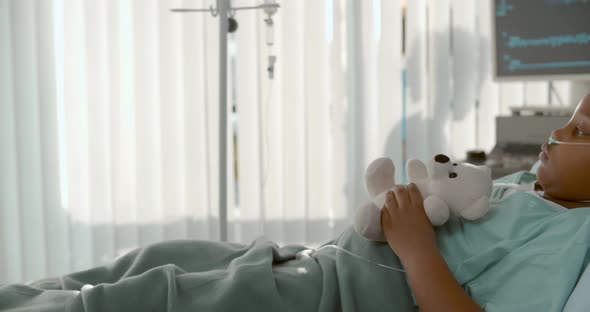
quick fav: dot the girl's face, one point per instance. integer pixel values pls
(565, 169)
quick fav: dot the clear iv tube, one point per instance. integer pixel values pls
(270, 37)
(270, 33)
(272, 58)
(358, 257)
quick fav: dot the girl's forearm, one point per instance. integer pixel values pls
(433, 284)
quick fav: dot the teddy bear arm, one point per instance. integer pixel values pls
(379, 176)
(476, 210)
(416, 170)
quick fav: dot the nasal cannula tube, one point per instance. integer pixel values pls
(554, 141)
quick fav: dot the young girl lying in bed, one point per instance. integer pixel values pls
(527, 254)
(563, 182)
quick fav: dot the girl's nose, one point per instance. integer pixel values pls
(557, 134)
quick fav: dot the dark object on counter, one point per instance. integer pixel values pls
(476, 157)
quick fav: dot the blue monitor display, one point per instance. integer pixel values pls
(542, 39)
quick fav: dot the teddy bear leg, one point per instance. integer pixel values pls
(367, 222)
(477, 209)
(436, 209)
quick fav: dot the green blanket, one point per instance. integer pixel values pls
(213, 276)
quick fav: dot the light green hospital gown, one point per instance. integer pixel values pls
(525, 255)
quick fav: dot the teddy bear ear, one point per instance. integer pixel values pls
(416, 170)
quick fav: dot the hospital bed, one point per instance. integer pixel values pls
(213, 276)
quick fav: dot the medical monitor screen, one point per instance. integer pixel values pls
(542, 39)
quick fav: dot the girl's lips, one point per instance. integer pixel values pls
(543, 154)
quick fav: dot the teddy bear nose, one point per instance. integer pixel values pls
(441, 158)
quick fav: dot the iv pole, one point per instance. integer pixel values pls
(223, 7)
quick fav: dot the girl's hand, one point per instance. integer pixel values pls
(405, 224)
(411, 236)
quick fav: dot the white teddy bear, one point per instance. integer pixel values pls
(461, 188)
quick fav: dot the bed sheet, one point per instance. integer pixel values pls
(213, 276)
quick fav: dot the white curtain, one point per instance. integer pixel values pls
(292, 162)
(109, 118)
(109, 131)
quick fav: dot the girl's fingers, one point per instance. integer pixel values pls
(402, 197)
(385, 218)
(390, 201)
(415, 195)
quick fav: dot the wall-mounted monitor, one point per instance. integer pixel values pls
(542, 39)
